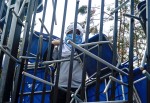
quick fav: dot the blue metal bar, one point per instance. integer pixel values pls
(107, 98)
(107, 86)
(143, 61)
(146, 74)
(117, 101)
(118, 81)
(122, 87)
(76, 98)
(36, 92)
(131, 46)
(139, 80)
(75, 94)
(26, 57)
(94, 80)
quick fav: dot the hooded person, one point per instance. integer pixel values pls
(64, 66)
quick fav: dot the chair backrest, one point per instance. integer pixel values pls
(107, 55)
(34, 44)
(40, 7)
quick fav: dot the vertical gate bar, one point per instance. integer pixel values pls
(26, 60)
(2, 4)
(72, 53)
(22, 8)
(51, 33)
(38, 52)
(130, 77)
(148, 46)
(38, 57)
(53, 2)
(106, 91)
(6, 29)
(43, 15)
(19, 80)
(84, 56)
(60, 50)
(99, 51)
(122, 87)
(115, 31)
(8, 64)
(28, 48)
(41, 31)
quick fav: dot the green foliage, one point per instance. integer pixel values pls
(83, 10)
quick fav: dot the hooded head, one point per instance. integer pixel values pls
(71, 27)
(69, 34)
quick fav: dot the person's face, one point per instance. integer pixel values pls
(77, 32)
(78, 37)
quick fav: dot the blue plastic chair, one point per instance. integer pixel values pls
(40, 71)
(91, 64)
(34, 44)
(38, 87)
(107, 56)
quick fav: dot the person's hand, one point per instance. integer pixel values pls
(56, 42)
